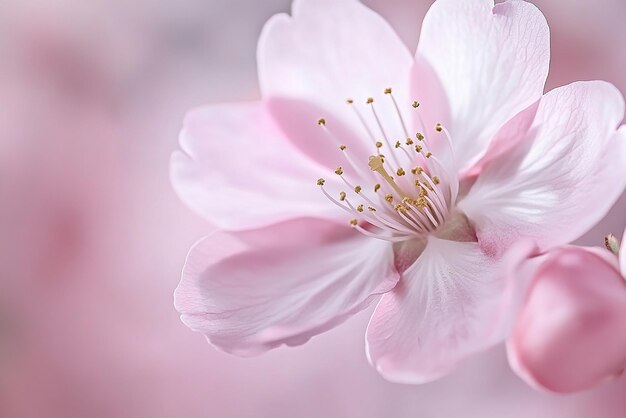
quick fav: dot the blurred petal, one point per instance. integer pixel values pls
(571, 334)
(561, 179)
(236, 169)
(252, 291)
(492, 62)
(440, 312)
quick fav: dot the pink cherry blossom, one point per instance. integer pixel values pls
(569, 335)
(442, 160)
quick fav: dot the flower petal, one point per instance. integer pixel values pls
(561, 179)
(492, 62)
(328, 51)
(571, 334)
(237, 170)
(252, 291)
(441, 311)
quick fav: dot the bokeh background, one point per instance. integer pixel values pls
(92, 238)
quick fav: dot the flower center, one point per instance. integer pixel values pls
(407, 191)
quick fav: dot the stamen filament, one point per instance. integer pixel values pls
(362, 120)
(382, 237)
(382, 131)
(395, 104)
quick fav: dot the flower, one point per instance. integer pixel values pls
(443, 160)
(569, 335)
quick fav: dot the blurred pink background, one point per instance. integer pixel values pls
(92, 95)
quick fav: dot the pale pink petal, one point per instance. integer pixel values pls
(561, 179)
(237, 170)
(492, 62)
(252, 291)
(441, 311)
(507, 138)
(571, 334)
(328, 51)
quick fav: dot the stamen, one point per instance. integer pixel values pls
(376, 220)
(342, 148)
(419, 116)
(438, 194)
(403, 215)
(361, 119)
(395, 104)
(332, 199)
(370, 101)
(384, 238)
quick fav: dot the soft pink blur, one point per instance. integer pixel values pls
(93, 238)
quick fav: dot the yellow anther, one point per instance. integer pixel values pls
(370, 100)
(400, 208)
(389, 197)
(320, 182)
(417, 182)
(419, 136)
(400, 172)
(418, 148)
(416, 104)
(339, 171)
(354, 222)
(376, 187)
(379, 144)
(417, 170)
(359, 208)
(438, 127)
(409, 141)
(435, 179)
(397, 144)
(321, 121)
(388, 90)
(423, 192)
(429, 154)
(371, 209)
(342, 147)
(342, 196)
(357, 189)
(349, 101)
